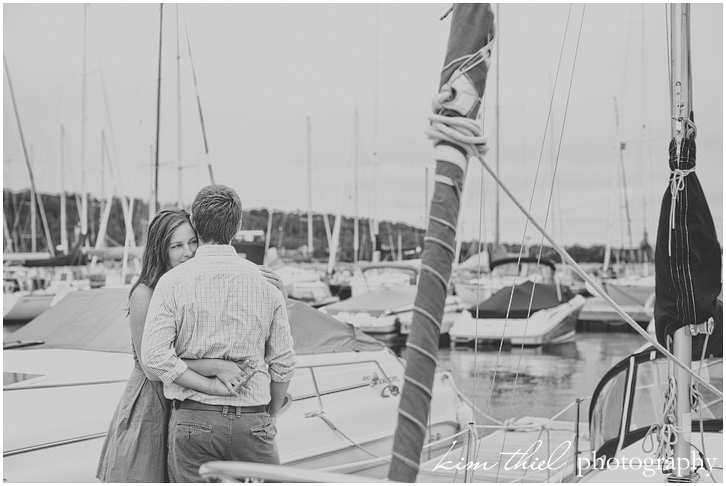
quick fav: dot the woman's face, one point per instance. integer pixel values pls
(183, 245)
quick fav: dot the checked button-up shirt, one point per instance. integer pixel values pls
(218, 305)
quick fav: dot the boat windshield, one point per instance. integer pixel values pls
(524, 269)
(630, 398)
(392, 275)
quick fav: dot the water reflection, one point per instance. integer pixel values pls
(538, 382)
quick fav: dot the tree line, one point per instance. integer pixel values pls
(288, 231)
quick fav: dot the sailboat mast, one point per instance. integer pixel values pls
(373, 222)
(33, 216)
(180, 201)
(63, 207)
(680, 111)
(103, 171)
(268, 235)
(155, 201)
(84, 195)
(625, 200)
(468, 54)
(310, 194)
(355, 190)
(37, 199)
(152, 209)
(496, 123)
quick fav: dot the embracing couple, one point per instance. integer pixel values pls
(212, 350)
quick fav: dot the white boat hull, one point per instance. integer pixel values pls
(549, 326)
(25, 305)
(597, 309)
(57, 412)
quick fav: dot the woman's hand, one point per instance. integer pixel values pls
(220, 388)
(273, 278)
(232, 375)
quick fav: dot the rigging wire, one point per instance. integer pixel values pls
(199, 102)
(549, 201)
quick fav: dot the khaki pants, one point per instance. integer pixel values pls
(199, 436)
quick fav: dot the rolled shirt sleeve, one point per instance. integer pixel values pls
(279, 354)
(158, 353)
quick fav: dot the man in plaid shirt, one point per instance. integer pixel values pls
(218, 305)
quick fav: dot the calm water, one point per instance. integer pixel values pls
(532, 381)
(536, 381)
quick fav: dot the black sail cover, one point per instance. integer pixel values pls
(687, 257)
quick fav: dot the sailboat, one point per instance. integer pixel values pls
(688, 314)
(658, 414)
(628, 398)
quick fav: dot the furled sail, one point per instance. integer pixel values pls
(461, 88)
(687, 257)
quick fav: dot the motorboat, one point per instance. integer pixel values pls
(65, 371)
(372, 276)
(387, 310)
(599, 310)
(24, 294)
(534, 312)
(474, 285)
(305, 285)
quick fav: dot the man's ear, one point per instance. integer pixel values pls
(191, 221)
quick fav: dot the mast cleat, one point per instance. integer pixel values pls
(692, 477)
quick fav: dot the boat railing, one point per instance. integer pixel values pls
(239, 471)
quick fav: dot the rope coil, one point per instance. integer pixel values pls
(662, 436)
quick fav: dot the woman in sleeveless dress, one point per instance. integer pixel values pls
(135, 449)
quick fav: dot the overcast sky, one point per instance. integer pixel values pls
(263, 70)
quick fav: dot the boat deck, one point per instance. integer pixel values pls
(542, 452)
(597, 309)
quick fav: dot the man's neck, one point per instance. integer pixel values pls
(210, 243)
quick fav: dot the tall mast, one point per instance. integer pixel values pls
(613, 199)
(466, 54)
(180, 201)
(84, 195)
(63, 208)
(355, 190)
(680, 110)
(268, 235)
(152, 209)
(310, 195)
(37, 199)
(155, 202)
(373, 222)
(496, 122)
(625, 199)
(103, 171)
(33, 213)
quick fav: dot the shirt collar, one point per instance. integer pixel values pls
(216, 250)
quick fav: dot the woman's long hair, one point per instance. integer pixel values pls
(155, 260)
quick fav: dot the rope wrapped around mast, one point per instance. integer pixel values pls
(456, 137)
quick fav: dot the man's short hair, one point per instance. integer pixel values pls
(217, 213)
